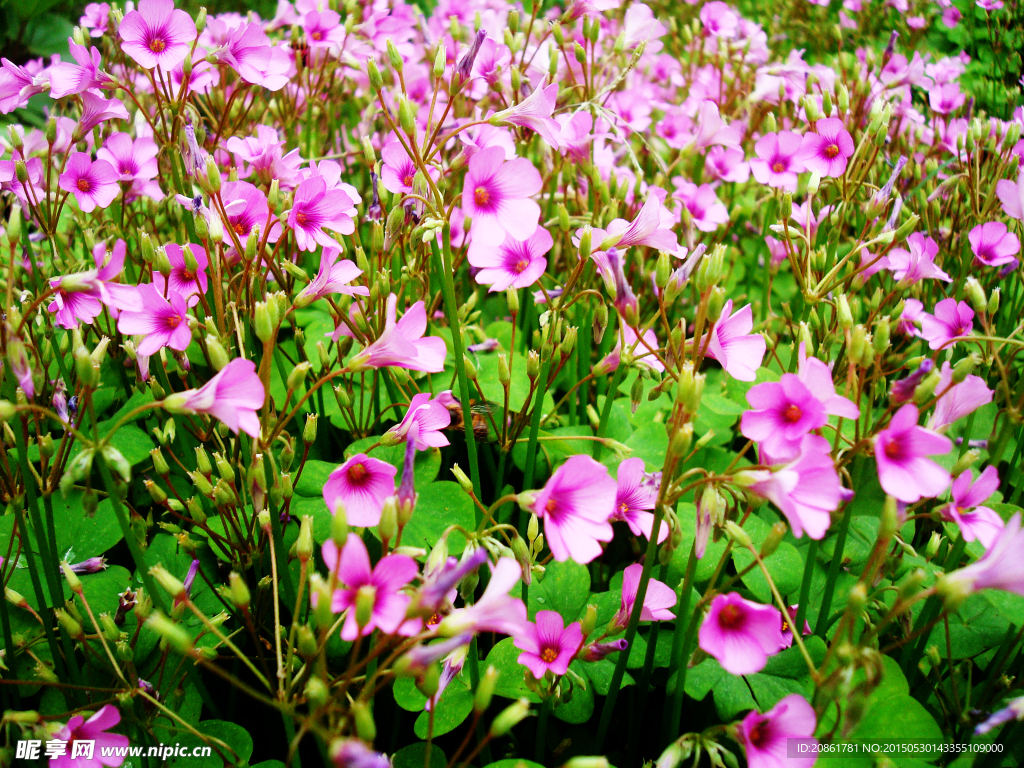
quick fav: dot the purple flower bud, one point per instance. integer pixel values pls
(374, 212)
(437, 586)
(903, 390)
(597, 651)
(489, 345)
(125, 602)
(407, 489)
(191, 153)
(193, 569)
(465, 66)
(148, 687)
(92, 565)
(422, 656)
(885, 192)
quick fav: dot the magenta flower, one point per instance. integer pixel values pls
(402, 343)
(398, 170)
(635, 498)
(94, 730)
(189, 282)
(658, 601)
(95, 18)
(946, 98)
(787, 626)
(818, 378)
(784, 412)
(164, 322)
(353, 753)
(740, 634)
(422, 424)
(548, 645)
(316, 208)
(67, 78)
(707, 212)
(249, 52)
(264, 153)
(496, 195)
(828, 149)
(778, 160)
(80, 296)
(533, 112)
(951, 320)
(17, 86)
(93, 183)
(727, 164)
(993, 244)
(157, 34)
(734, 346)
(380, 586)
(959, 400)
(806, 490)
(918, 263)
(133, 161)
(1011, 195)
(496, 610)
(360, 486)
(246, 207)
(576, 505)
(901, 452)
(719, 20)
(765, 738)
(232, 396)
(97, 110)
(966, 510)
(1001, 567)
(651, 227)
(333, 277)
(513, 263)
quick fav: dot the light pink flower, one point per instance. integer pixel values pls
(639, 353)
(360, 485)
(496, 610)
(79, 296)
(67, 78)
(189, 283)
(1002, 566)
(134, 161)
(333, 277)
(513, 263)
(919, 262)
(783, 412)
(402, 343)
(966, 510)
(157, 34)
(727, 164)
(95, 18)
(959, 400)
(719, 20)
(827, 150)
(901, 452)
(246, 207)
(818, 378)
(17, 86)
(765, 738)
(382, 585)
(778, 160)
(576, 504)
(398, 170)
(248, 51)
(1011, 195)
(496, 195)
(422, 424)
(164, 322)
(97, 110)
(232, 396)
(548, 645)
(95, 730)
(658, 601)
(635, 498)
(806, 490)
(734, 346)
(533, 112)
(707, 212)
(951, 320)
(315, 209)
(741, 634)
(993, 244)
(93, 183)
(649, 228)
(264, 152)
(946, 97)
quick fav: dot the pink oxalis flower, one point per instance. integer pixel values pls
(402, 343)
(92, 182)
(952, 320)
(993, 244)
(232, 396)
(163, 322)
(157, 34)
(576, 504)
(658, 601)
(422, 424)
(967, 511)
(95, 729)
(513, 263)
(635, 498)
(734, 346)
(778, 160)
(901, 452)
(360, 486)
(765, 738)
(827, 150)
(1001, 567)
(548, 645)
(496, 195)
(741, 634)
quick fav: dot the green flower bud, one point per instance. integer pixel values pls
(363, 717)
(906, 228)
(405, 115)
(512, 715)
(74, 583)
(309, 430)
(773, 539)
(395, 58)
(14, 225)
(175, 635)
(843, 313)
(213, 179)
(376, 81)
(964, 368)
(485, 690)
(880, 339)
(171, 584)
(993, 301)
(739, 537)
(464, 481)
(69, 625)
(924, 391)
(388, 525)
(440, 60)
(316, 691)
(890, 520)
(239, 591)
(533, 364)
(304, 544)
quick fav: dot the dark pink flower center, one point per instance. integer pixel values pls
(792, 413)
(317, 35)
(407, 181)
(83, 185)
(520, 266)
(893, 449)
(481, 196)
(357, 473)
(760, 733)
(187, 277)
(173, 321)
(157, 45)
(548, 654)
(731, 617)
(778, 167)
(832, 150)
(301, 217)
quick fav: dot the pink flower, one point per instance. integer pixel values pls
(548, 645)
(93, 183)
(951, 17)
(765, 738)
(740, 634)
(248, 51)
(827, 150)
(900, 452)
(67, 78)
(946, 98)
(316, 208)
(322, 28)
(533, 112)
(402, 343)
(1002, 566)
(1013, 711)
(496, 610)
(951, 320)
(919, 262)
(706, 210)
(157, 34)
(353, 753)
(784, 412)
(635, 498)
(989, 5)
(162, 321)
(133, 161)
(265, 153)
(422, 424)
(818, 378)
(360, 485)
(658, 601)
(959, 400)
(333, 277)
(513, 263)
(232, 396)
(739, 351)
(380, 587)
(806, 490)
(727, 164)
(787, 626)
(188, 281)
(246, 207)
(719, 20)
(17, 86)
(95, 18)
(96, 110)
(95, 730)
(649, 228)
(398, 169)
(639, 352)
(496, 195)
(1011, 195)
(778, 160)
(79, 296)
(993, 244)
(576, 504)
(966, 510)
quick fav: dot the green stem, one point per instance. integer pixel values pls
(805, 584)
(606, 411)
(681, 639)
(542, 730)
(837, 559)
